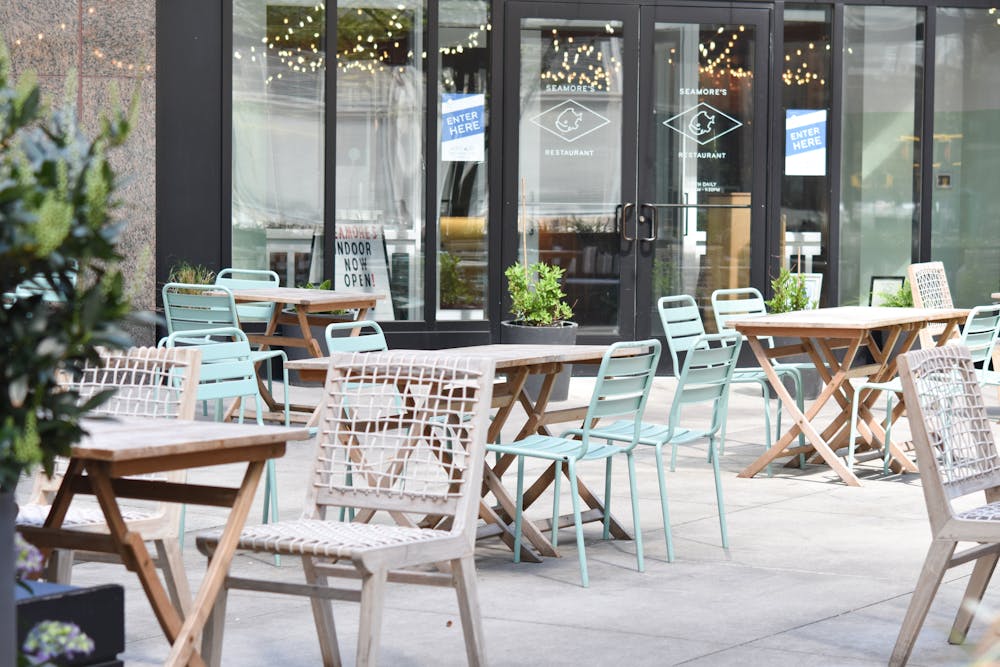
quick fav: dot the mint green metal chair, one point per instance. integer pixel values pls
(705, 377)
(234, 279)
(980, 335)
(622, 388)
(188, 307)
(227, 371)
(684, 328)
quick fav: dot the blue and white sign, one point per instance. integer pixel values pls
(463, 127)
(805, 142)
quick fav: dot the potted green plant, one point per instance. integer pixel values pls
(541, 316)
(789, 295)
(56, 229)
(192, 274)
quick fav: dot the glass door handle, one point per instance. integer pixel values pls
(650, 210)
(621, 217)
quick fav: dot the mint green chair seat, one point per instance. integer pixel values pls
(980, 335)
(704, 379)
(621, 390)
(227, 371)
(190, 307)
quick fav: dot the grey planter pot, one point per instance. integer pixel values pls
(565, 334)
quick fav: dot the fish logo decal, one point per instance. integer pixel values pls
(569, 120)
(702, 123)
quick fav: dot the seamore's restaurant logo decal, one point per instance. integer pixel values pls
(570, 120)
(702, 123)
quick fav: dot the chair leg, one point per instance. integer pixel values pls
(271, 499)
(765, 390)
(636, 526)
(171, 562)
(981, 574)
(326, 629)
(718, 494)
(673, 458)
(935, 565)
(463, 572)
(607, 501)
(369, 630)
(211, 637)
(661, 477)
(519, 510)
(60, 566)
(854, 428)
(888, 432)
(578, 520)
(556, 481)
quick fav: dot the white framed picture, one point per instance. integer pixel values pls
(814, 288)
(881, 286)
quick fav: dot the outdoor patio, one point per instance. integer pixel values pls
(817, 574)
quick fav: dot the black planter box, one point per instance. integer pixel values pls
(99, 612)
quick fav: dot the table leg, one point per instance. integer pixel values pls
(134, 554)
(801, 422)
(311, 344)
(183, 651)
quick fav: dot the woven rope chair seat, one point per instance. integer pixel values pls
(989, 512)
(327, 539)
(33, 514)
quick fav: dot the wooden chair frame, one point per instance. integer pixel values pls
(421, 465)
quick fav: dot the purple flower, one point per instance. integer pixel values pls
(54, 639)
(28, 560)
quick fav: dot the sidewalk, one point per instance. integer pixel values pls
(817, 574)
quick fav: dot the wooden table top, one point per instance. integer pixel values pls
(301, 296)
(846, 318)
(504, 355)
(995, 296)
(135, 438)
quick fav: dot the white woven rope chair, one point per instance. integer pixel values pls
(957, 457)
(146, 382)
(408, 469)
(929, 286)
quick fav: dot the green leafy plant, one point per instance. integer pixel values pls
(537, 297)
(56, 200)
(456, 290)
(326, 284)
(192, 274)
(789, 293)
(901, 298)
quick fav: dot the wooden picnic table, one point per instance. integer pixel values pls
(516, 363)
(122, 447)
(306, 304)
(819, 333)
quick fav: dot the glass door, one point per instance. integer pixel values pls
(637, 191)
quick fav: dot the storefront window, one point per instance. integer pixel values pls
(381, 56)
(463, 63)
(805, 183)
(880, 195)
(966, 152)
(279, 58)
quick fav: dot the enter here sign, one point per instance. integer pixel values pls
(805, 142)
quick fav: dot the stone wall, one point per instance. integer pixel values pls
(110, 44)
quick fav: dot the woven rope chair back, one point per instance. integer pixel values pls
(929, 284)
(956, 451)
(142, 382)
(404, 432)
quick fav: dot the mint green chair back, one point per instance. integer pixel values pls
(682, 325)
(188, 307)
(621, 391)
(370, 339)
(736, 304)
(980, 332)
(234, 279)
(228, 371)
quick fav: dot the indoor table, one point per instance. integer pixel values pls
(516, 363)
(299, 307)
(103, 465)
(820, 333)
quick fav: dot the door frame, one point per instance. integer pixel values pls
(636, 301)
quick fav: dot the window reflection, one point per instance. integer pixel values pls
(279, 58)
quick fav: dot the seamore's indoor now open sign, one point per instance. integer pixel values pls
(360, 264)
